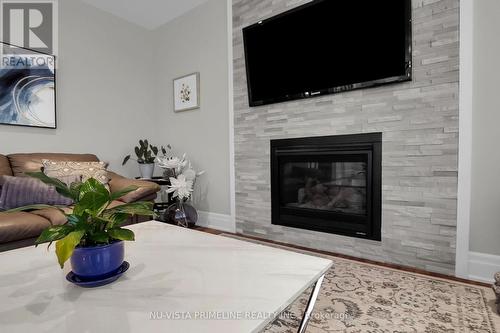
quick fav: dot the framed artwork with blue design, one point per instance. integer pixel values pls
(27, 87)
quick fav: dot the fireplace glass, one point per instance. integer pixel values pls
(331, 186)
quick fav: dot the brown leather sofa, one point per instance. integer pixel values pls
(21, 229)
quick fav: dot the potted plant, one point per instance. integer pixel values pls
(146, 155)
(92, 237)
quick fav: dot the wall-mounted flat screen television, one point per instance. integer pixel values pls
(328, 46)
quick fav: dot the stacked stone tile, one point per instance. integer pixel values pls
(419, 122)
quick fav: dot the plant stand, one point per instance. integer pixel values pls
(161, 204)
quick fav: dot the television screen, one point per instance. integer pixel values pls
(328, 46)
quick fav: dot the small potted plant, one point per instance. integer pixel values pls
(146, 155)
(92, 238)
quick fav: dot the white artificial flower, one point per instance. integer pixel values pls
(175, 162)
(180, 187)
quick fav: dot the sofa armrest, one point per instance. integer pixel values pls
(146, 190)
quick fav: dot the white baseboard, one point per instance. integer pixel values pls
(216, 221)
(483, 266)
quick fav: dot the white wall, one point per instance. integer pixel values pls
(485, 202)
(103, 89)
(197, 42)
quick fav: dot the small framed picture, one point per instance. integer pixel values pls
(187, 92)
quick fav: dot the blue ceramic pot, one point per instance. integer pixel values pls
(98, 261)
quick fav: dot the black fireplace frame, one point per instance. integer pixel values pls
(362, 226)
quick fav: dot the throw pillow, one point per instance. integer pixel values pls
(23, 191)
(57, 169)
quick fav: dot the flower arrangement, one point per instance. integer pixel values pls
(182, 178)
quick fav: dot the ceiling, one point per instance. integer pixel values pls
(149, 14)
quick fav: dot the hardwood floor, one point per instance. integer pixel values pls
(394, 266)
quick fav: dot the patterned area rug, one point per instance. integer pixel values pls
(360, 298)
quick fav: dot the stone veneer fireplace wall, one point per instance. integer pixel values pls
(419, 122)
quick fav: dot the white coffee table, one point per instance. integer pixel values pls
(190, 281)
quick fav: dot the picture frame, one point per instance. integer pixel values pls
(186, 90)
(27, 87)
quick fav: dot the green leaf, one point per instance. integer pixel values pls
(93, 186)
(154, 149)
(134, 208)
(125, 160)
(53, 233)
(99, 237)
(75, 190)
(121, 234)
(35, 207)
(117, 219)
(73, 219)
(79, 221)
(118, 194)
(92, 203)
(138, 152)
(66, 246)
(102, 222)
(60, 187)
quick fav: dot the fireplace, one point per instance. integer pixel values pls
(329, 184)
